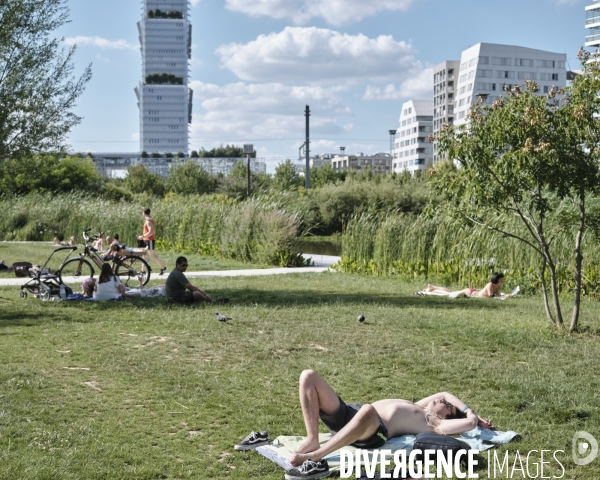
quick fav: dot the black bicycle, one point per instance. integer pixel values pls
(126, 263)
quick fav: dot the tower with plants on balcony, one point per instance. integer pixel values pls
(164, 99)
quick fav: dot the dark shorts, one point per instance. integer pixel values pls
(150, 244)
(186, 297)
(338, 420)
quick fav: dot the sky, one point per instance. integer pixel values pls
(256, 64)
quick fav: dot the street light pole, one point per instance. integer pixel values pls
(248, 150)
(307, 150)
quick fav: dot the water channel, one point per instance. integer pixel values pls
(320, 247)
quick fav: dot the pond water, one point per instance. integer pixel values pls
(321, 247)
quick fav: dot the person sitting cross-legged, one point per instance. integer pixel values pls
(180, 290)
(369, 426)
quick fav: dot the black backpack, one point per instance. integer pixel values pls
(440, 443)
(433, 441)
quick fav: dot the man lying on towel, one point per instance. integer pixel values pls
(369, 426)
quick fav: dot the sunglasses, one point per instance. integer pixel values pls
(184, 265)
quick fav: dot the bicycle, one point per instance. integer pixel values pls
(125, 267)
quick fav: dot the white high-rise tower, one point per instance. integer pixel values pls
(592, 23)
(164, 99)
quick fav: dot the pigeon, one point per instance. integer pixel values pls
(361, 318)
(221, 318)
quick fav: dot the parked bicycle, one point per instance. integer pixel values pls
(125, 265)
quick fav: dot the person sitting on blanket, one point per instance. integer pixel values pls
(492, 289)
(369, 426)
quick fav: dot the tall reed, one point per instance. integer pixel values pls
(440, 249)
(252, 231)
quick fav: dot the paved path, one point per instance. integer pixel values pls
(322, 263)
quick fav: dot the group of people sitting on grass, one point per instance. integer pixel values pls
(177, 288)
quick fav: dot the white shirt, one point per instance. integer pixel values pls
(107, 290)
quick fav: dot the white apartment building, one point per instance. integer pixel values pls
(445, 76)
(486, 68)
(412, 148)
(379, 163)
(592, 23)
(164, 99)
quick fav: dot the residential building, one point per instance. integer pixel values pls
(164, 99)
(444, 77)
(486, 68)
(216, 166)
(380, 163)
(592, 24)
(412, 147)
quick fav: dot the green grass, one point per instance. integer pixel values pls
(144, 390)
(38, 252)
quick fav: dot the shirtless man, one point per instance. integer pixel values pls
(369, 426)
(492, 289)
(149, 236)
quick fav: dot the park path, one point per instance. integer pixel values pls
(321, 264)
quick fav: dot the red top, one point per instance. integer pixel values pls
(147, 229)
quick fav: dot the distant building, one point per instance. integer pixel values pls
(592, 24)
(216, 166)
(486, 68)
(444, 77)
(380, 163)
(164, 99)
(115, 164)
(412, 148)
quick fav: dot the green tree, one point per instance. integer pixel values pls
(323, 175)
(140, 180)
(227, 151)
(528, 156)
(194, 154)
(287, 177)
(48, 173)
(37, 86)
(235, 184)
(188, 178)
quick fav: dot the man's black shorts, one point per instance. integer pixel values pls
(186, 297)
(338, 420)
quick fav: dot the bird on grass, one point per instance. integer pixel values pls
(221, 318)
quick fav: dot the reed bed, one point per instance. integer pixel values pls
(252, 231)
(440, 249)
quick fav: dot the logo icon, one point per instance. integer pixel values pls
(585, 448)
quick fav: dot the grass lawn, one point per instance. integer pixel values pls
(38, 252)
(144, 390)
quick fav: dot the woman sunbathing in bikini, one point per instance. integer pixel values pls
(492, 289)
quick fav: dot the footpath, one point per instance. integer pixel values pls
(321, 263)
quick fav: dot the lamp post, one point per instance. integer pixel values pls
(392, 138)
(248, 150)
(342, 149)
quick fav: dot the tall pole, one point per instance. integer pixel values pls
(248, 175)
(307, 170)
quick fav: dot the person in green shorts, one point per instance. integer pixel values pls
(180, 290)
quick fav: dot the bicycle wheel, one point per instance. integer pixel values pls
(78, 268)
(128, 268)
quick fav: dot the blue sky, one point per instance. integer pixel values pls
(257, 63)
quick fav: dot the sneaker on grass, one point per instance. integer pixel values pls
(309, 469)
(253, 440)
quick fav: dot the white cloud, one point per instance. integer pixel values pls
(264, 111)
(101, 43)
(335, 12)
(418, 86)
(314, 55)
(104, 59)
(194, 2)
